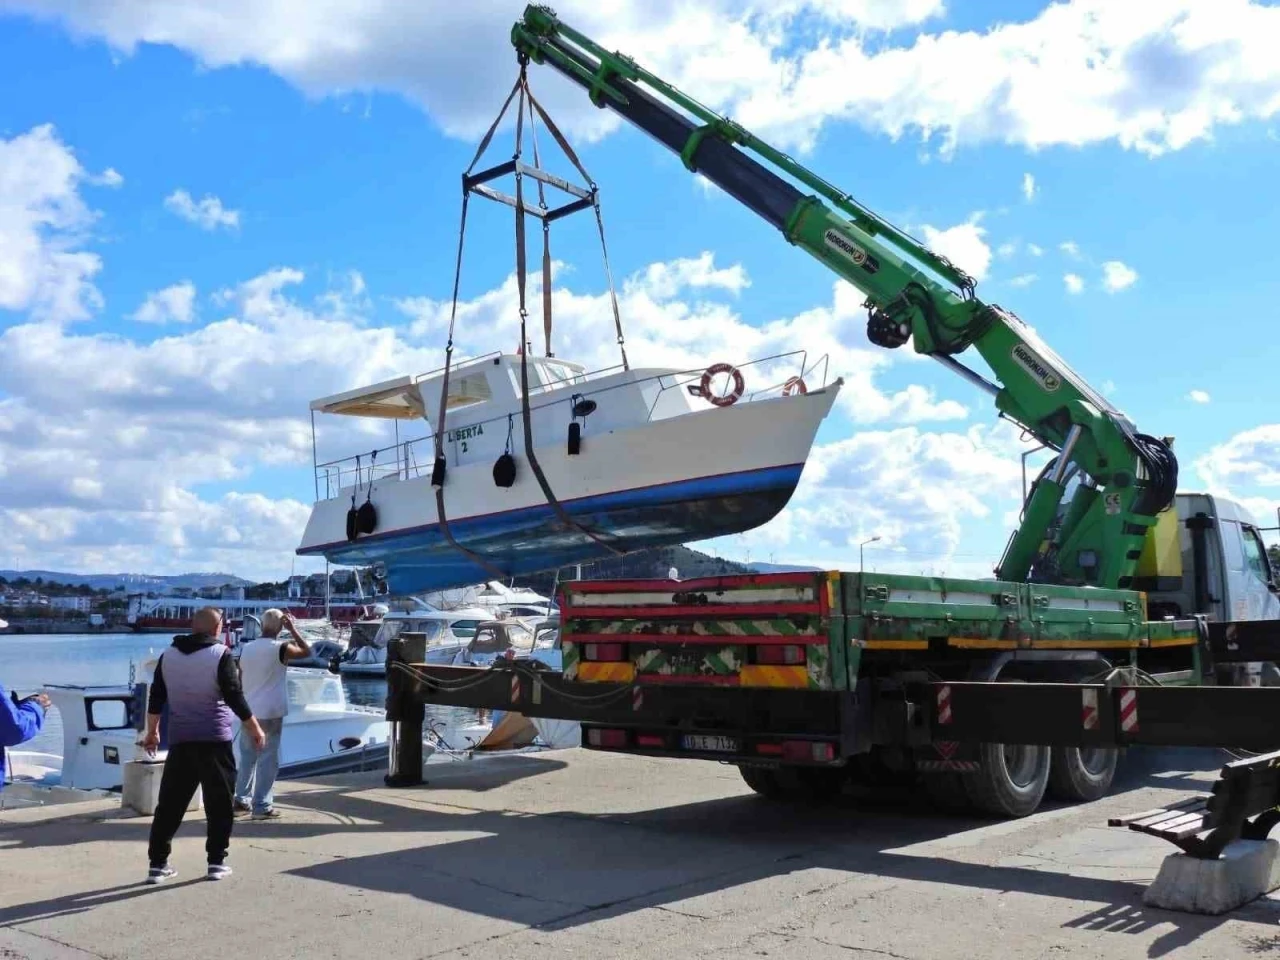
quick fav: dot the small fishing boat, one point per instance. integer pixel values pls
(102, 728)
(622, 460)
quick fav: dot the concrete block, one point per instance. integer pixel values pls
(140, 790)
(1247, 869)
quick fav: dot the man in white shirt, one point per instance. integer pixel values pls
(265, 681)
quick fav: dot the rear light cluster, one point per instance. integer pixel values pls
(604, 651)
(788, 655)
(799, 751)
(606, 738)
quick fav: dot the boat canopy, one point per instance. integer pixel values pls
(470, 382)
(397, 399)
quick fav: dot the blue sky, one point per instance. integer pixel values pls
(323, 159)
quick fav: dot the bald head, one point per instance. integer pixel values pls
(207, 620)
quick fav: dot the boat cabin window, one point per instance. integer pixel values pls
(108, 714)
(544, 375)
(430, 627)
(464, 629)
(467, 389)
(389, 630)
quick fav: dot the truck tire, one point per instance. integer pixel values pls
(1011, 779)
(792, 784)
(1079, 774)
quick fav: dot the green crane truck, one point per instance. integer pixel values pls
(993, 691)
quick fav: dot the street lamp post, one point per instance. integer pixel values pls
(863, 544)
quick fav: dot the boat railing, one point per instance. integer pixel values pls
(412, 458)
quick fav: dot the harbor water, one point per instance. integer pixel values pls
(29, 661)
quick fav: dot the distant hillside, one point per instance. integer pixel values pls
(644, 564)
(129, 581)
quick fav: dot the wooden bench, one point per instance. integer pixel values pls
(1244, 804)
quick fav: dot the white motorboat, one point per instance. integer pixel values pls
(448, 632)
(102, 727)
(630, 459)
(496, 597)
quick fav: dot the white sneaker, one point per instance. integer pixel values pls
(218, 871)
(160, 874)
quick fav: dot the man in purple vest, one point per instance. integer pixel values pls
(199, 681)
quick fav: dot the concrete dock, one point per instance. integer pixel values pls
(571, 854)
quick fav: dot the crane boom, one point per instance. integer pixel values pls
(1125, 478)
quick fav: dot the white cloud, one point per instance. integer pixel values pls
(44, 225)
(872, 14)
(207, 213)
(1116, 276)
(1023, 280)
(1034, 250)
(1198, 396)
(1247, 468)
(671, 319)
(1028, 187)
(130, 431)
(914, 489)
(1006, 250)
(1070, 248)
(1074, 282)
(174, 304)
(962, 245)
(110, 177)
(1151, 78)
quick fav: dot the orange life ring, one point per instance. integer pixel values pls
(794, 385)
(729, 399)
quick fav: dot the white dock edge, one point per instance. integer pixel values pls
(1247, 869)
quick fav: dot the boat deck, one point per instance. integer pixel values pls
(577, 855)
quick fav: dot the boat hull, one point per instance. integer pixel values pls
(694, 477)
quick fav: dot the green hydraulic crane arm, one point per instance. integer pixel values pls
(1125, 477)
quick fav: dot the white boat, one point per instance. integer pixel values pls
(448, 632)
(496, 597)
(635, 458)
(102, 727)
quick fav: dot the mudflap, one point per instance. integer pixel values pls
(946, 756)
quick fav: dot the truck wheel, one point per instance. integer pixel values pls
(1011, 779)
(1081, 773)
(794, 783)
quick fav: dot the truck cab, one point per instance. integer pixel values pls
(1206, 556)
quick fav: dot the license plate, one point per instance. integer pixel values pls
(710, 744)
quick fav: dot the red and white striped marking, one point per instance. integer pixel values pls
(515, 688)
(1089, 709)
(1129, 711)
(944, 704)
(637, 698)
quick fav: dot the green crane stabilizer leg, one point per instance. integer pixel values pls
(912, 294)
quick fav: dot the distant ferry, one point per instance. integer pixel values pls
(173, 614)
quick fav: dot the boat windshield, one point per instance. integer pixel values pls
(497, 637)
(391, 629)
(464, 629)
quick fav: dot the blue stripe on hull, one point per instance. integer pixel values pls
(533, 539)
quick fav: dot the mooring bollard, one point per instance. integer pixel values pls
(405, 711)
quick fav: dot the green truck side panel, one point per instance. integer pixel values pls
(891, 614)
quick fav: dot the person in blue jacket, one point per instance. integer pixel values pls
(20, 720)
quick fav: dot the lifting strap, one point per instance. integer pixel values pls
(525, 416)
(525, 102)
(471, 555)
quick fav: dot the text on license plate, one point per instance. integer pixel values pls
(711, 743)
